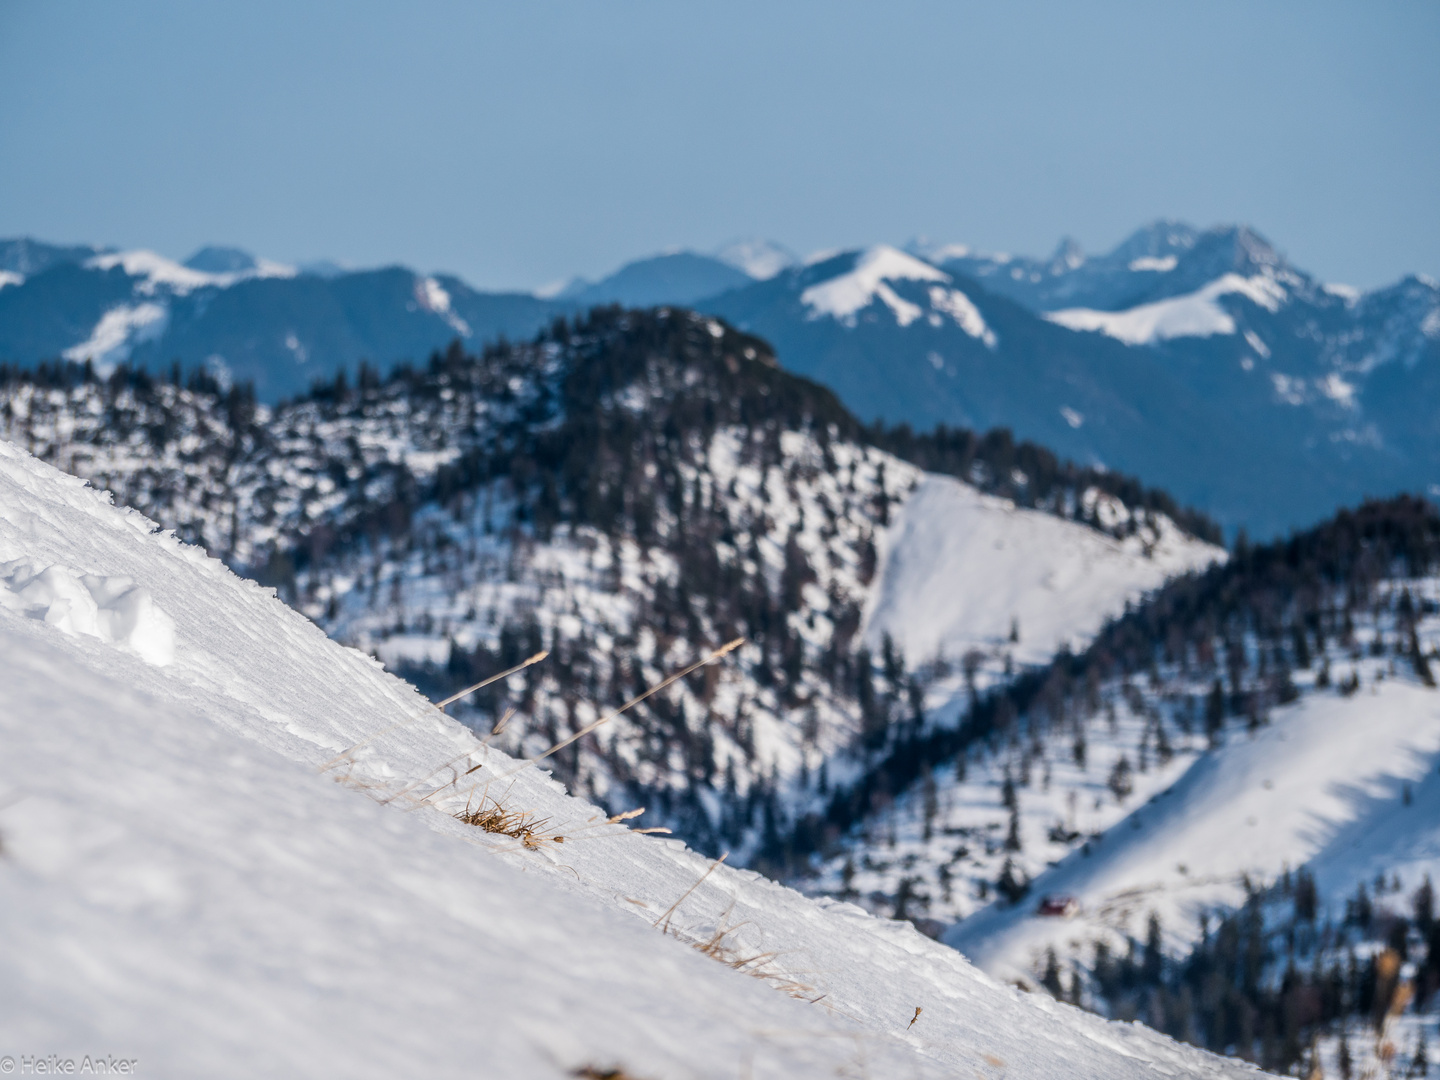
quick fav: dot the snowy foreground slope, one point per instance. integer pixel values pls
(184, 883)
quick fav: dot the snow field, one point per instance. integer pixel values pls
(961, 568)
(1196, 314)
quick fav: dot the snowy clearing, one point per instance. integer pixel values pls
(961, 568)
(1318, 785)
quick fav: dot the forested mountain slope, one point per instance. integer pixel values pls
(628, 492)
(1270, 717)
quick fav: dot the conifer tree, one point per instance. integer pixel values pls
(1121, 782)
(1215, 713)
(1013, 884)
(1012, 837)
(1424, 906)
(1051, 978)
(1302, 648)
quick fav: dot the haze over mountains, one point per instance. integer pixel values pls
(1200, 360)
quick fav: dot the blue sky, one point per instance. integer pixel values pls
(518, 143)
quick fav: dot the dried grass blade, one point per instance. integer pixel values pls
(716, 655)
(340, 757)
(665, 918)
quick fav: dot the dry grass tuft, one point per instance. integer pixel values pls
(718, 654)
(759, 965)
(520, 825)
(719, 945)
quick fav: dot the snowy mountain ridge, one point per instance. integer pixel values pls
(1194, 314)
(1201, 358)
(872, 278)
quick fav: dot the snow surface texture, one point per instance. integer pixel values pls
(184, 883)
(960, 568)
(1196, 314)
(113, 609)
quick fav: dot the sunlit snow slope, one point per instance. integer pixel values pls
(962, 569)
(1321, 784)
(184, 883)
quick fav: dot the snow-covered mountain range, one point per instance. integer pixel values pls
(971, 676)
(244, 319)
(1200, 359)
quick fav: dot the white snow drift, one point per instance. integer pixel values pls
(113, 609)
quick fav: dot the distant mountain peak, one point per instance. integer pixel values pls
(157, 272)
(22, 256)
(845, 293)
(933, 251)
(155, 269)
(760, 259)
(562, 288)
(1236, 247)
(1156, 240)
(1069, 255)
(216, 259)
(676, 277)
(845, 285)
(323, 268)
